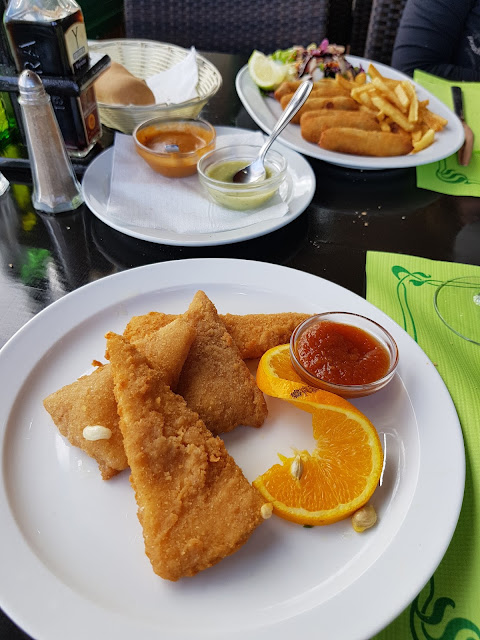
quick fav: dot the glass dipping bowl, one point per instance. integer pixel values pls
(153, 138)
(375, 331)
(241, 197)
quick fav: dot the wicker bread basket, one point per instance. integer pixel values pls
(144, 58)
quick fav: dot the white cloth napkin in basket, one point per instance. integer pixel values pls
(177, 84)
(141, 197)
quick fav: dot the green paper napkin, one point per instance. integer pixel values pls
(448, 608)
(447, 176)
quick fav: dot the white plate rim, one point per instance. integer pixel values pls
(96, 181)
(258, 109)
(436, 503)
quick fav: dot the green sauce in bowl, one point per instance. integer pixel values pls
(224, 171)
(239, 197)
(217, 168)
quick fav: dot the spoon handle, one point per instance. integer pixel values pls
(298, 98)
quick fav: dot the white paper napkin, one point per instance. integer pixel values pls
(141, 197)
(177, 84)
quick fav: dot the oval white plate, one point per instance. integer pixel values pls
(265, 111)
(72, 555)
(96, 190)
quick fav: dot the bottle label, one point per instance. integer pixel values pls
(90, 116)
(76, 45)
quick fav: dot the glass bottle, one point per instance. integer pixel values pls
(49, 38)
(9, 129)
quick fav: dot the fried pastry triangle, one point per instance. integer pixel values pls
(195, 505)
(215, 381)
(90, 400)
(253, 333)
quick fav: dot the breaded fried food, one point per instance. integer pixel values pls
(316, 104)
(194, 503)
(90, 400)
(326, 86)
(215, 381)
(252, 333)
(314, 123)
(256, 333)
(167, 348)
(319, 93)
(140, 327)
(366, 143)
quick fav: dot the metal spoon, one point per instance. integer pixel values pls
(256, 170)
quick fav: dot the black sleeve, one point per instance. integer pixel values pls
(428, 35)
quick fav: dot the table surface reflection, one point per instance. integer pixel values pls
(352, 212)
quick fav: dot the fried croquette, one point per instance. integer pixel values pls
(327, 86)
(343, 103)
(252, 333)
(366, 143)
(90, 400)
(314, 123)
(194, 503)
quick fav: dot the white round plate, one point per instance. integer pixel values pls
(72, 553)
(266, 111)
(96, 191)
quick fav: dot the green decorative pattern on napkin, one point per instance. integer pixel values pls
(447, 176)
(448, 608)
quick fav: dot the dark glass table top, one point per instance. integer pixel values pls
(43, 257)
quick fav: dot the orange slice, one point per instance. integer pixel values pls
(341, 474)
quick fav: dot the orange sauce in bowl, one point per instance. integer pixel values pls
(192, 140)
(342, 354)
(158, 141)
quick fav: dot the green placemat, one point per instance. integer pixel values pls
(447, 176)
(448, 608)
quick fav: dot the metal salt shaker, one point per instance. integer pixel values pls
(55, 187)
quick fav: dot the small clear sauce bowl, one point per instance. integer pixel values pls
(171, 163)
(242, 197)
(371, 327)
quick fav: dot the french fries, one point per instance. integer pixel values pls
(425, 141)
(393, 112)
(398, 108)
(384, 106)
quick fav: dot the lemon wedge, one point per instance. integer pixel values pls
(265, 72)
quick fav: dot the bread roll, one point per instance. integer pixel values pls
(116, 85)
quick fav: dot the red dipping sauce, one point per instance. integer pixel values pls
(342, 354)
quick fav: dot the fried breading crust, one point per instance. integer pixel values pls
(327, 86)
(90, 400)
(86, 402)
(215, 381)
(314, 123)
(366, 143)
(252, 333)
(256, 333)
(315, 104)
(195, 505)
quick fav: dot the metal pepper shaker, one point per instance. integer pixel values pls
(55, 187)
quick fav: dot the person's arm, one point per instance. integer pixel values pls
(429, 33)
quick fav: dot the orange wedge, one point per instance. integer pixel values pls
(341, 474)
